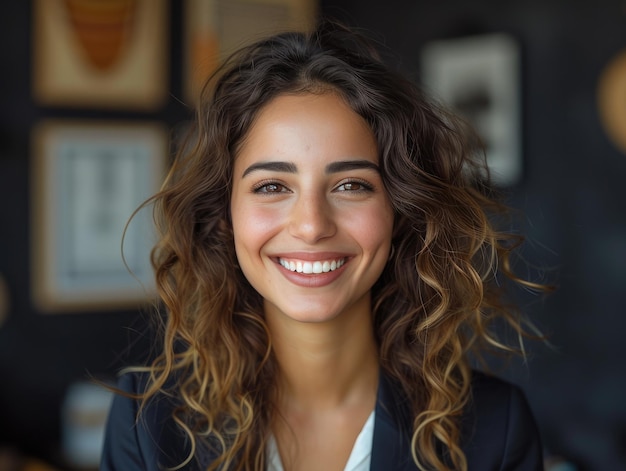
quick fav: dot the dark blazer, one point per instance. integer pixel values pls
(498, 429)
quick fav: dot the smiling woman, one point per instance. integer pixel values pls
(306, 192)
(327, 265)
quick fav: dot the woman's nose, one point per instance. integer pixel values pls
(311, 219)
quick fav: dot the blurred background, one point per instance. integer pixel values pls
(547, 91)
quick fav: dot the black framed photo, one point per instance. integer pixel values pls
(479, 78)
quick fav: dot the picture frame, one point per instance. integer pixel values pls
(479, 77)
(101, 54)
(216, 28)
(88, 178)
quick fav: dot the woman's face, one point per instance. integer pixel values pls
(312, 221)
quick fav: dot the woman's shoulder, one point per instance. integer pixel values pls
(486, 388)
(142, 435)
(499, 427)
(496, 400)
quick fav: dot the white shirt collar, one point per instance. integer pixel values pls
(360, 456)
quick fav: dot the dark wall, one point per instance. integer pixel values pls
(41, 355)
(572, 196)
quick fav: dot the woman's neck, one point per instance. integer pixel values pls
(325, 365)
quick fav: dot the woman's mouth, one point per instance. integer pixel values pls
(311, 267)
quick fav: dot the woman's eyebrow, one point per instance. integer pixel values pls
(273, 166)
(344, 165)
(333, 167)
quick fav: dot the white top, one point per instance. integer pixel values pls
(360, 456)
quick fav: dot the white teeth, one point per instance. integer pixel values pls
(311, 267)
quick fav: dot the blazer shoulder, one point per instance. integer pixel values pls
(499, 428)
(142, 436)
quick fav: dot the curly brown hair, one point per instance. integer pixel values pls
(434, 303)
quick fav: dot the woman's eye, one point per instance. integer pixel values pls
(270, 188)
(354, 186)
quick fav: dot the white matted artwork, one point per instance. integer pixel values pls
(479, 77)
(88, 179)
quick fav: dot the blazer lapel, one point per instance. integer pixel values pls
(391, 446)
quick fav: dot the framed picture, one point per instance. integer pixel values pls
(106, 54)
(479, 77)
(87, 181)
(216, 28)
